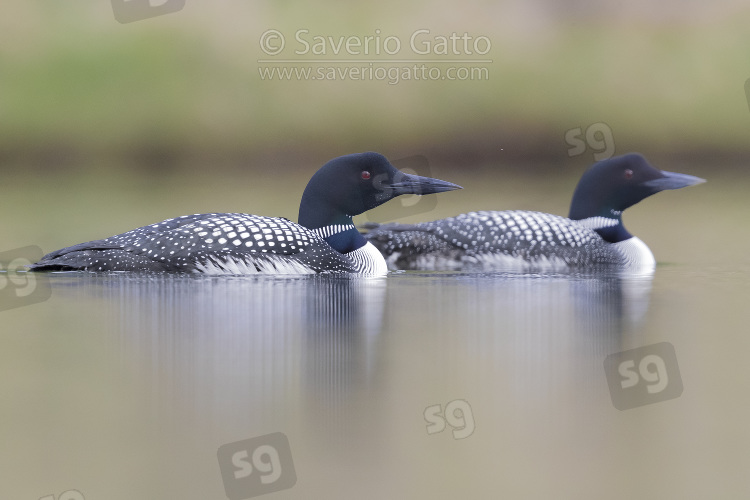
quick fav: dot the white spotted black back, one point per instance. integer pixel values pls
(213, 243)
(492, 240)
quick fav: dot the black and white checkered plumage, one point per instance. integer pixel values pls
(493, 240)
(211, 244)
(325, 241)
(593, 236)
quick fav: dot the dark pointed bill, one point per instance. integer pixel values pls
(416, 184)
(673, 180)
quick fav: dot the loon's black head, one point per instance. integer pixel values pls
(611, 186)
(352, 184)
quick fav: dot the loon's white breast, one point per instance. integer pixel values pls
(637, 255)
(368, 260)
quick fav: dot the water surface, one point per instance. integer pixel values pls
(126, 386)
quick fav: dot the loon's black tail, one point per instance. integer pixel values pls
(94, 256)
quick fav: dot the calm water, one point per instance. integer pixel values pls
(417, 385)
(126, 387)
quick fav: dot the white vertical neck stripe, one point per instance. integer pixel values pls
(326, 231)
(598, 222)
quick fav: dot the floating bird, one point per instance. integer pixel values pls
(324, 241)
(592, 235)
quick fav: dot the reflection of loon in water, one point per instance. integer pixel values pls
(247, 341)
(344, 316)
(342, 356)
(330, 354)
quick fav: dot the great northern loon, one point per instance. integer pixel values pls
(324, 241)
(592, 235)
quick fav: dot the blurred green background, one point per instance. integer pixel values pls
(106, 126)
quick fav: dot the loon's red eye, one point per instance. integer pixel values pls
(365, 174)
(628, 173)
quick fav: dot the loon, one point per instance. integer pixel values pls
(593, 235)
(324, 241)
